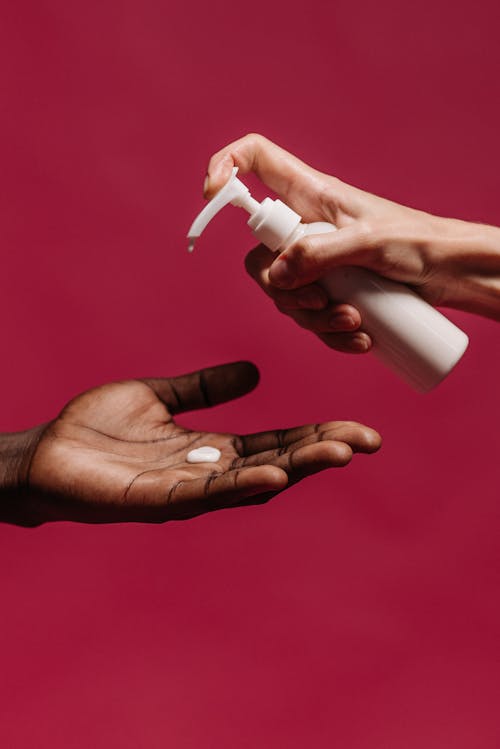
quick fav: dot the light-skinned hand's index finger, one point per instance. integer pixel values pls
(284, 173)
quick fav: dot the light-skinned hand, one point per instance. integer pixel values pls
(449, 262)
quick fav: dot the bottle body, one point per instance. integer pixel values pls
(409, 336)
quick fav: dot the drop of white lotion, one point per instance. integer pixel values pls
(205, 454)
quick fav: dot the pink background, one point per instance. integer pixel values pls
(361, 608)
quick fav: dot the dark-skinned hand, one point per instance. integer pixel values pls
(116, 453)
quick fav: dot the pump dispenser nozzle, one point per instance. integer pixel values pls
(272, 222)
(234, 192)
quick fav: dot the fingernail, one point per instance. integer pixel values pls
(311, 299)
(280, 273)
(222, 166)
(342, 322)
(360, 344)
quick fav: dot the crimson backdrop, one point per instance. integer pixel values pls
(359, 610)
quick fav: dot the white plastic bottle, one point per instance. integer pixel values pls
(409, 335)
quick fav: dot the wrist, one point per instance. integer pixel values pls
(466, 259)
(16, 454)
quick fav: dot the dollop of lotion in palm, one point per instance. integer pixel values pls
(204, 454)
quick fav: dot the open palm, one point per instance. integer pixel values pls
(115, 453)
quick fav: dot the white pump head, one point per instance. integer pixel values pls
(271, 221)
(234, 192)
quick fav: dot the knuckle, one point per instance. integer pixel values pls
(254, 137)
(367, 234)
(302, 255)
(384, 256)
(387, 255)
(329, 196)
(373, 243)
(375, 235)
(251, 141)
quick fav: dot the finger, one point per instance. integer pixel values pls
(294, 181)
(257, 263)
(277, 168)
(218, 491)
(310, 459)
(340, 318)
(153, 498)
(312, 257)
(310, 297)
(347, 343)
(360, 437)
(306, 461)
(306, 455)
(206, 387)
